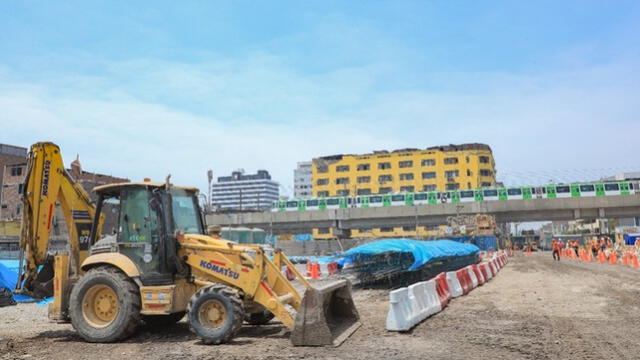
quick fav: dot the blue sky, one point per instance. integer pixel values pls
(149, 88)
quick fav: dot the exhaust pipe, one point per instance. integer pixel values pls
(327, 315)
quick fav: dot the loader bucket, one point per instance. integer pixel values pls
(327, 315)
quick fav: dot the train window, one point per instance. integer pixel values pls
(397, 198)
(563, 189)
(375, 199)
(611, 187)
(514, 192)
(587, 188)
(490, 192)
(333, 201)
(466, 194)
(292, 204)
(420, 196)
(312, 202)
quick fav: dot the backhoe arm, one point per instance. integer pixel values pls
(46, 183)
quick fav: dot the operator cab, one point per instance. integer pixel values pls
(142, 221)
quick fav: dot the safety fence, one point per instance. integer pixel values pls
(624, 257)
(408, 306)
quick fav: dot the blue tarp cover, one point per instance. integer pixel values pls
(9, 277)
(422, 251)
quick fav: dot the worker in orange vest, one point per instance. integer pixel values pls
(556, 246)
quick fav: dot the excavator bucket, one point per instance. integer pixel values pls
(327, 315)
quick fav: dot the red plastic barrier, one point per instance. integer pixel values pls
(465, 281)
(332, 268)
(483, 270)
(493, 269)
(478, 273)
(442, 288)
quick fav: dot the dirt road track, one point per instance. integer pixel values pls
(534, 309)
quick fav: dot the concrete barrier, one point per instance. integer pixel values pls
(399, 316)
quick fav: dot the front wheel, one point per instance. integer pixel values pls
(215, 313)
(104, 305)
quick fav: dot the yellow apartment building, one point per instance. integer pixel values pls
(438, 168)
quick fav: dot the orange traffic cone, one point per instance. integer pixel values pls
(315, 270)
(601, 257)
(626, 259)
(635, 261)
(529, 252)
(613, 258)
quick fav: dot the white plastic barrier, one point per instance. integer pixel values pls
(454, 284)
(399, 316)
(472, 275)
(487, 268)
(409, 306)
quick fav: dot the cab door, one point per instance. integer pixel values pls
(502, 194)
(599, 189)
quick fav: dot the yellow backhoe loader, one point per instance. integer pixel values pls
(158, 265)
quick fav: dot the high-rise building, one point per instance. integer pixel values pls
(241, 191)
(302, 186)
(438, 168)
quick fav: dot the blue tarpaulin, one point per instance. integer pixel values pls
(9, 277)
(422, 251)
(630, 239)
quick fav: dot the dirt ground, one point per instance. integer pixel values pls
(534, 309)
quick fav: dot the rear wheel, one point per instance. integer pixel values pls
(215, 313)
(104, 305)
(163, 320)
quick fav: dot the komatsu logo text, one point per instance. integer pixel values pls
(221, 270)
(45, 177)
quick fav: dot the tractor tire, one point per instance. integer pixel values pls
(215, 313)
(104, 305)
(163, 320)
(259, 318)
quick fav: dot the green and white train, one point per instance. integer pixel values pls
(456, 196)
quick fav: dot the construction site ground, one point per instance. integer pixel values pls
(535, 308)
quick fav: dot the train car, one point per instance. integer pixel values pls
(336, 203)
(491, 194)
(294, 205)
(314, 204)
(466, 195)
(402, 199)
(514, 193)
(421, 198)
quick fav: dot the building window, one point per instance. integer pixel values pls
(343, 192)
(364, 191)
(450, 160)
(429, 175)
(485, 172)
(342, 180)
(386, 229)
(364, 167)
(16, 171)
(321, 169)
(469, 172)
(322, 182)
(323, 193)
(323, 230)
(385, 190)
(384, 165)
(408, 228)
(20, 188)
(453, 186)
(407, 176)
(384, 178)
(431, 187)
(484, 159)
(467, 159)
(406, 188)
(451, 174)
(406, 164)
(485, 184)
(342, 168)
(364, 179)
(468, 185)
(4, 206)
(428, 162)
